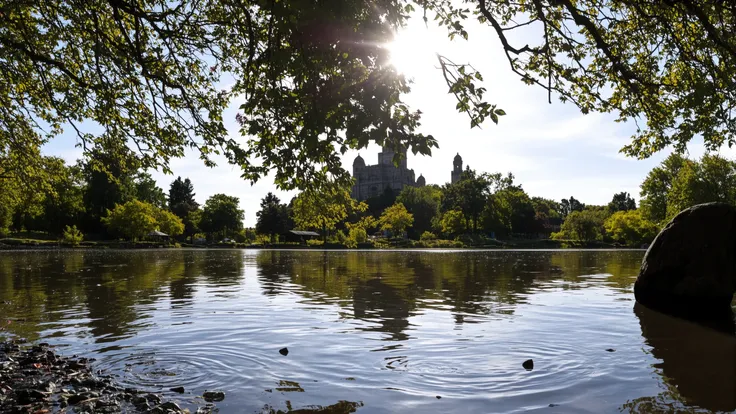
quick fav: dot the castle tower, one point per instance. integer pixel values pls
(421, 181)
(457, 168)
(386, 157)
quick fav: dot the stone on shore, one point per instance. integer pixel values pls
(690, 268)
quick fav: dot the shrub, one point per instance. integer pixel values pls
(314, 243)
(358, 234)
(426, 236)
(72, 236)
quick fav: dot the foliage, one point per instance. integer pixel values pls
(427, 236)
(453, 223)
(679, 183)
(148, 75)
(181, 202)
(133, 220)
(148, 191)
(108, 175)
(315, 243)
(366, 223)
(168, 222)
(423, 203)
(324, 209)
(396, 219)
(584, 225)
(713, 178)
(222, 216)
(568, 206)
(357, 234)
(72, 236)
(656, 186)
(468, 195)
(273, 218)
(621, 202)
(630, 228)
(377, 204)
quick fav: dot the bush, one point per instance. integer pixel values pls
(426, 236)
(72, 236)
(315, 243)
(358, 234)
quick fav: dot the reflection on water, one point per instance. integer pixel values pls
(373, 331)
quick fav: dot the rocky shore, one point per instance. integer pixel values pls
(35, 379)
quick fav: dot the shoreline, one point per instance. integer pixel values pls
(34, 378)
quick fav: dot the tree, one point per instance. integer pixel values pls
(108, 176)
(63, 204)
(273, 218)
(148, 191)
(376, 205)
(222, 215)
(134, 219)
(453, 223)
(468, 196)
(547, 214)
(150, 74)
(621, 202)
(181, 197)
(182, 203)
(679, 183)
(568, 206)
(322, 209)
(168, 222)
(713, 178)
(396, 219)
(630, 228)
(584, 225)
(423, 203)
(657, 185)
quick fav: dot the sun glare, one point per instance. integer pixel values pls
(411, 53)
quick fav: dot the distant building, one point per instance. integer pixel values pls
(372, 180)
(457, 169)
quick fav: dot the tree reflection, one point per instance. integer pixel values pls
(698, 363)
(387, 288)
(109, 292)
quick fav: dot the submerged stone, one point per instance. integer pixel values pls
(213, 396)
(284, 351)
(690, 268)
(528, 364)
(180, 390)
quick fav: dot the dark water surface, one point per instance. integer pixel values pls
(376, 332)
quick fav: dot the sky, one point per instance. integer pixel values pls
(553, 150)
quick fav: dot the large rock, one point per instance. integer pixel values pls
(690, 268)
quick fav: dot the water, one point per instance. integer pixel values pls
(376, 332)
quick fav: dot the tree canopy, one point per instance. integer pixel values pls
(316, 77)
(222, 216)
(273, 217)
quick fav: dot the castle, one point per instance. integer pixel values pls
(372, 180)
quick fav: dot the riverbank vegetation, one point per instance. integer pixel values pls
(482, 210)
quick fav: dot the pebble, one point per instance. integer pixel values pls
(34, 379)
(180, 390)
(284, 351)
(610, 350)
(528, 365)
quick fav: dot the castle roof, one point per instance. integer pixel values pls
(359, 161)
(458, 157)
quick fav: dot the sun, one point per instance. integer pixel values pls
(411, 52)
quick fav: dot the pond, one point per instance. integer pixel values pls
(372, 331)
